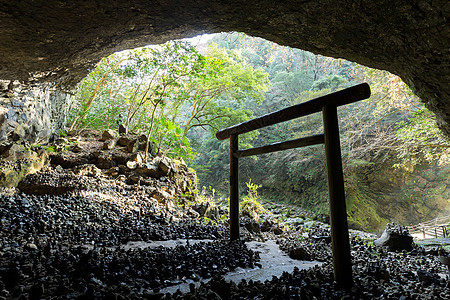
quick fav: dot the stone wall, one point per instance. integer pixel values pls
(31, 112)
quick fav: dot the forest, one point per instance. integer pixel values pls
(179, 94)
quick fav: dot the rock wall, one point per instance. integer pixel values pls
(384, 194)
(31, 112)
(376, 193)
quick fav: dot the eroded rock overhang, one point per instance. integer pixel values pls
(61, 40)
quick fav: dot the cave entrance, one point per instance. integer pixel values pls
(338, 214)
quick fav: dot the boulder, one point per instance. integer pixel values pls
(427, 278)
(133, 146)
(267, 224)
(212, 212)
(277, 229)
(105, 161)
(147, 170)
(69, 161)
(136, 157)
(18, 133)
(119, 158)
(109, 134)
(300, 253)
(395, 238)
(122, 129)
(164, 166)
(109, 144)
(124, 140)
(19, 161)
(251, 225)
(200, 208)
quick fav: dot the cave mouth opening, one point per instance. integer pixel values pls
(295, 76)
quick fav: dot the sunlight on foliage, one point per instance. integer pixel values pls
(167, 90)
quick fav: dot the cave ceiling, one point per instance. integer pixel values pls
(61, 40)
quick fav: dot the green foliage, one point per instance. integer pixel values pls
(422, 140)
(390, 128)
(331, 82)
(250, 205)
(49, 148)
(361, 211)
(167, 90)
(179, 98)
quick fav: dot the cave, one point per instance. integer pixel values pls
(48, 47)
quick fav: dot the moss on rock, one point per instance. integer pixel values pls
(19, 161)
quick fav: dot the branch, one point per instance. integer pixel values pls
(94, 93)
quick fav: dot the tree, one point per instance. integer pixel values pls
(226, 79)
(98, 84)
(166, 90)
(409, 129)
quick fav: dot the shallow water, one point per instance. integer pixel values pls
(273, 263)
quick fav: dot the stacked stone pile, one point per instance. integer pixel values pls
(396, 238)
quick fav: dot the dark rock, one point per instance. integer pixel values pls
(267, 225)
(277, 229)
(147, 170)
(18, 134)
(212, 212)
(320, 233)
(19, 161)
(136, 157)
(395, 238)
(105, 161)
(379, 272)
(299, 253)
(109, 134)
(124, 140)
(251, 225)
(109, 144)
(67, 161)
(426, 277)
(36, 292)
(133, 146)
(200, 208)
(122, 129)
(119, 158)
(164, 166)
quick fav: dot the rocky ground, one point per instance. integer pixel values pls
(65, 233)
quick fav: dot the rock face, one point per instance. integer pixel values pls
(60, 41)
(163, 179)
(30, 112)
(17, 161)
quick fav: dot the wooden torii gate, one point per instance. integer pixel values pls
(338, 215)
